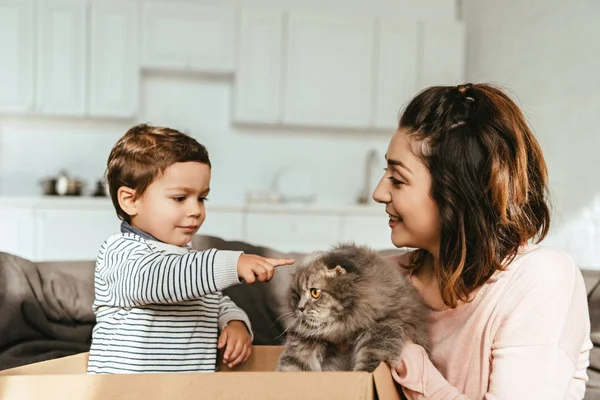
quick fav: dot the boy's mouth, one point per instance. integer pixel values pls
(189, 227)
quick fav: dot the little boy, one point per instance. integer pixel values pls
(159, 306)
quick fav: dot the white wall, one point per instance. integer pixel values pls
(547, 53)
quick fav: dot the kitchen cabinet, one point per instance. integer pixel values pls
(17, 50)
(186, 36)
(328, 71)
(67, 234)
(60, 228)
(224, 224)
(61, 61)
(257, 88)
(443, 53)
(371, 230)
(114, 66)
(17, 231)
(292, 232)
(397, 67)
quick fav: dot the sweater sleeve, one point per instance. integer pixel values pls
(130, 273)
(541, 348)
(229, 311)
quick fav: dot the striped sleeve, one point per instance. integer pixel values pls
(229, 311)
(129, 273)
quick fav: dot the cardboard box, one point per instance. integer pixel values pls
(66, 379)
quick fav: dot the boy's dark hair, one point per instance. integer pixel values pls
(143, 154)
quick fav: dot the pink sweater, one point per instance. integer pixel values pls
(525, 336)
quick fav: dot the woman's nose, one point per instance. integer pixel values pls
(381, 194)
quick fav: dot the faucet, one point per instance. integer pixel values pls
(365, 196)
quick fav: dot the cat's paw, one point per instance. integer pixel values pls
(370, 367)
(288, 368)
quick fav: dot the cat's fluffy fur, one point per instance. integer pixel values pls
(365, 312)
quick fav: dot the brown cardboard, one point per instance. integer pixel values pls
(66, 379)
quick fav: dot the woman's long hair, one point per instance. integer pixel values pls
(489, 180)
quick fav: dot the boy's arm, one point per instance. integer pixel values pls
(157, 277)
(229, 311)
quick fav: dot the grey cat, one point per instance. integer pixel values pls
(349, 311)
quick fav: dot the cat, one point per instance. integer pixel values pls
(350, 310)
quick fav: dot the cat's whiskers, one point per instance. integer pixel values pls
(287, 329)
(284, 315)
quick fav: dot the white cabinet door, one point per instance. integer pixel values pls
(372, 231)
(114, 67)
(67, 234)
(329, 71)
(17, 231)
(186, 36)
(61, 85)
(292, 232)
(16, 56)
(444, 53)
(227, 225)
(397, 66)
(257, 90)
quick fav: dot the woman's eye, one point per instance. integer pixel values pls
(395, 181)
(315, 293)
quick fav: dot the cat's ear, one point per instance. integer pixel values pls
(335, 272)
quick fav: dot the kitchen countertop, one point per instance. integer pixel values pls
(102, 203)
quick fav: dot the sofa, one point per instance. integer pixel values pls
(46, 307)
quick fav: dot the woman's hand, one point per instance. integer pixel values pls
(401, 366)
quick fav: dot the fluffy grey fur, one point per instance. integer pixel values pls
(365, 311)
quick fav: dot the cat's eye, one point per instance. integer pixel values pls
(315, 293)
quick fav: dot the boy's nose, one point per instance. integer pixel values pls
(195, 209)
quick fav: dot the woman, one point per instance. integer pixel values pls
(466, 186)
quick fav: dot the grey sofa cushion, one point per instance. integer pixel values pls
(45, 311)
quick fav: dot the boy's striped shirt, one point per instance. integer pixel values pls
(159, 308)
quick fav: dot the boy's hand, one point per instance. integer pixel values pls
(239, 346)
(251, 267)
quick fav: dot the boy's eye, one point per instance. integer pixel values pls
(202, 199)
(179, 199)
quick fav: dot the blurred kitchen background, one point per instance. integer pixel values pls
(294, 99)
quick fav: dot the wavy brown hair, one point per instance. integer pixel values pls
(489, 180)
(143, 154)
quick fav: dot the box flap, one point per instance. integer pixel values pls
(76, 364)
(385, 386)
(242, 386)
(66, 379)
(264, 358)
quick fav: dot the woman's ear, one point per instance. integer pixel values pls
(127, 200)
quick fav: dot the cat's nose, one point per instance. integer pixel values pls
(301, 309)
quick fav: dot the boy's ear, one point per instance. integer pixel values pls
(126, 197)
